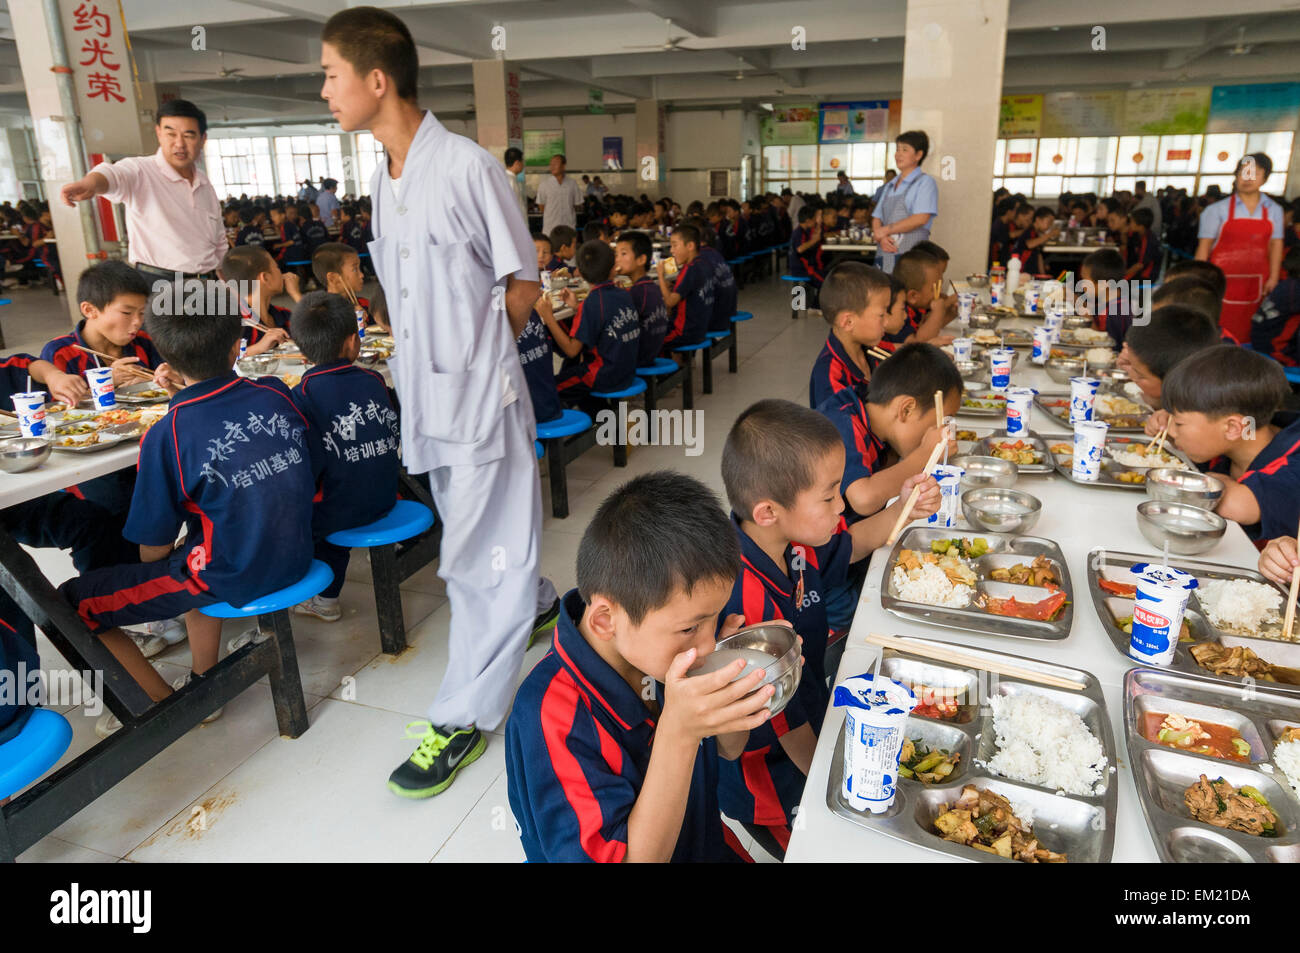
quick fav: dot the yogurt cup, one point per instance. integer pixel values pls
(1158, 609)
(1054, 321)
(1019, 402)
(1000, 368)
(996, 292)
(1089, 442)
(948, 476)
(361, 324)
(1083, 397)
(961, 349)
(965, 304)
(875, 726)
(101, 387)
(30, 407)
(1042, 345)
(1031, 298)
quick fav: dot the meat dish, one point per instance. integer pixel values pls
(985, 821)
(1219, 804)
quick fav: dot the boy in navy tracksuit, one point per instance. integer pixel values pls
(724, 283)
(311, 228)
(288, 245)
(536, 358)
(631, 259)
(689, 298)
(855, 299)
(600, 349)
(231, 463)
(337, 268)
(260, 279)
(250, 233)
(113, 298)
(355, 429)
(1143, 251)
(607, 730)
(793, 543)
(1217, 400)
(1275, 327)
(806, 249)
(1101, 270)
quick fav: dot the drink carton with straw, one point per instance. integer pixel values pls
(1158, 607)
(875, 723)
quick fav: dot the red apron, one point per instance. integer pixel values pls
(1241, 250)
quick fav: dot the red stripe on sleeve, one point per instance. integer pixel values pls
(758, 780)
(752, 597)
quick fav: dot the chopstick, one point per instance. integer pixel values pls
(879, 354)
(942, 654)
(138, 371)
(904, 516)
(1159, 442)
(1290, 602)
(938, 409)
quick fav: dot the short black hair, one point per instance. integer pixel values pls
(771, 453)
(654, 537)
(1170, 334)
(101, 283)
(690, 235)
(245, 263)
(183, 109)
(369, 39)
(1005, 205)
(1143, 217)
(1105, 264)
(1044, 211)
(640, 243)
(562, 235)
(1262, 162)
(1189, 290)
(595, 261)
(918, 140)
(542, 237)
(807, 212)
(513, 155)
(915, 370)
(896, 288)
(1226, 379)
(322, 323)
(848, 287)
(937, 251)
(330, 258)
(327, 184)
(1207, 271)
(593, 231)
(199, 345)
(910, 267)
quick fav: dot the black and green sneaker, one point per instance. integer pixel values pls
(544, 623)
(440, 756)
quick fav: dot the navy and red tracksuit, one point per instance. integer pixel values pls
(724, 289)
(688, 320)
(1276, 325)
(578, 745)
(355, 430)
(864, 452)
(807, 263)
(911, 324)
(231, 462)
(762, 788)
(62, 352)
(289, 245)
(1031, 258)
(276, 317)
(833, 371)
(250, 235)
(607, 326)
(1274, 477)
(535, 357)
(653, 315)
(1144, 248)
(999, 242)
(1115, 318)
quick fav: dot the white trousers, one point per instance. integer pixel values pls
(491, 543)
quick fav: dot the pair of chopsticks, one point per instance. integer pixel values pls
(1159, 442)
(879, 353)
(139, 372)
(1290, 602)
(904, 516)
(943, 654)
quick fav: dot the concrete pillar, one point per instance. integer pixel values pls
(952, 90)
(498, 106)
(651, 149)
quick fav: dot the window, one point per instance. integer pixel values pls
(370, 153)
(813, 168)
(308, 157)
(239, 166)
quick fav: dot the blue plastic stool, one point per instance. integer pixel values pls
(562, 440)
(38, 747)
(1292, 374)
(688, 385)
(317, 578)
(795, 281)
(659, 377)
(613, 397)
(541, 451)
(406, 520)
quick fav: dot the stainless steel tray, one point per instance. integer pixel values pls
(1103, 563)
(1110, 470)
(1004, 549)
(1162, 773)
(964, 447)
(1069, 338)
(1083, 827)
(1008, 337)
(1057, 406)
(130, 394)
(985, 448)
(999, 411)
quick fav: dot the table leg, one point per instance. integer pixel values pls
(286, 683)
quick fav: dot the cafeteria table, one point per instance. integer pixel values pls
(864, 249)
(1079, 519)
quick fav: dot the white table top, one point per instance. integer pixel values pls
(1073, 249)
(1079, 519)
(63, 469)
(840, 246)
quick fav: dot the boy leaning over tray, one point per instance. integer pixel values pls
(611, 747)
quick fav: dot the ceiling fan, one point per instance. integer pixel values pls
(671, 43)
(221, 73)
(1241, 47)
(742, 73)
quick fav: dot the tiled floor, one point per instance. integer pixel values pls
(235, 790)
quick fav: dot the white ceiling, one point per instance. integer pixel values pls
(565, 47)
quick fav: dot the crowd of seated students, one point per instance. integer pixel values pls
(25, 251)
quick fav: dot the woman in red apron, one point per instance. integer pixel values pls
(1244, 247)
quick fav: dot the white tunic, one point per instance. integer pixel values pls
(445, 241)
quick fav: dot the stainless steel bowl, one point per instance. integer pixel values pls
(1061, 369)
(1001, 510)
(982, 321)
(1076, 321)
(1173, 485)
(986, 471)
(258, 366)
(968, 368)
(368, 357)
(779, 642)
(977, 281)
(1113, 377)
(1187, 529)
(20, 454)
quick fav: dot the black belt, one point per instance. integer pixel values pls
(164, 273)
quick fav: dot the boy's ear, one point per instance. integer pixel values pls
(600, 618)
(902, 407)
(88, 310)
(764, 513)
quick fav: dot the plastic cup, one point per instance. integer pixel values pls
(1019, 402)
(948, 476)
(996, 290)
(546, 280)
(101, 387)
(875, 726)
(1042, 345)
(361, 324)
(1082, 236)
(1083, 395)
(1089, 442)
(1031, 299)
(30, 407)
(1000, 367)
(965, 304)
(243, 348)
(1158, 608)
(961, 349)
(1054, 321)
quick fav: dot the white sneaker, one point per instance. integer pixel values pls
(157, 637)
(148, 644)
(107, 724)
(173, 630)
(254, 635)
(185, 680)
(327, 610)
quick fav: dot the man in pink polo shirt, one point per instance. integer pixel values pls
(173, 218)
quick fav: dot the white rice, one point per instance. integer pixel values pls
(1240, 605)
(1099, 356)
(1043, 743)
(1022, 810)
(1141, 461)
(1287, 756)
(929, 585)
